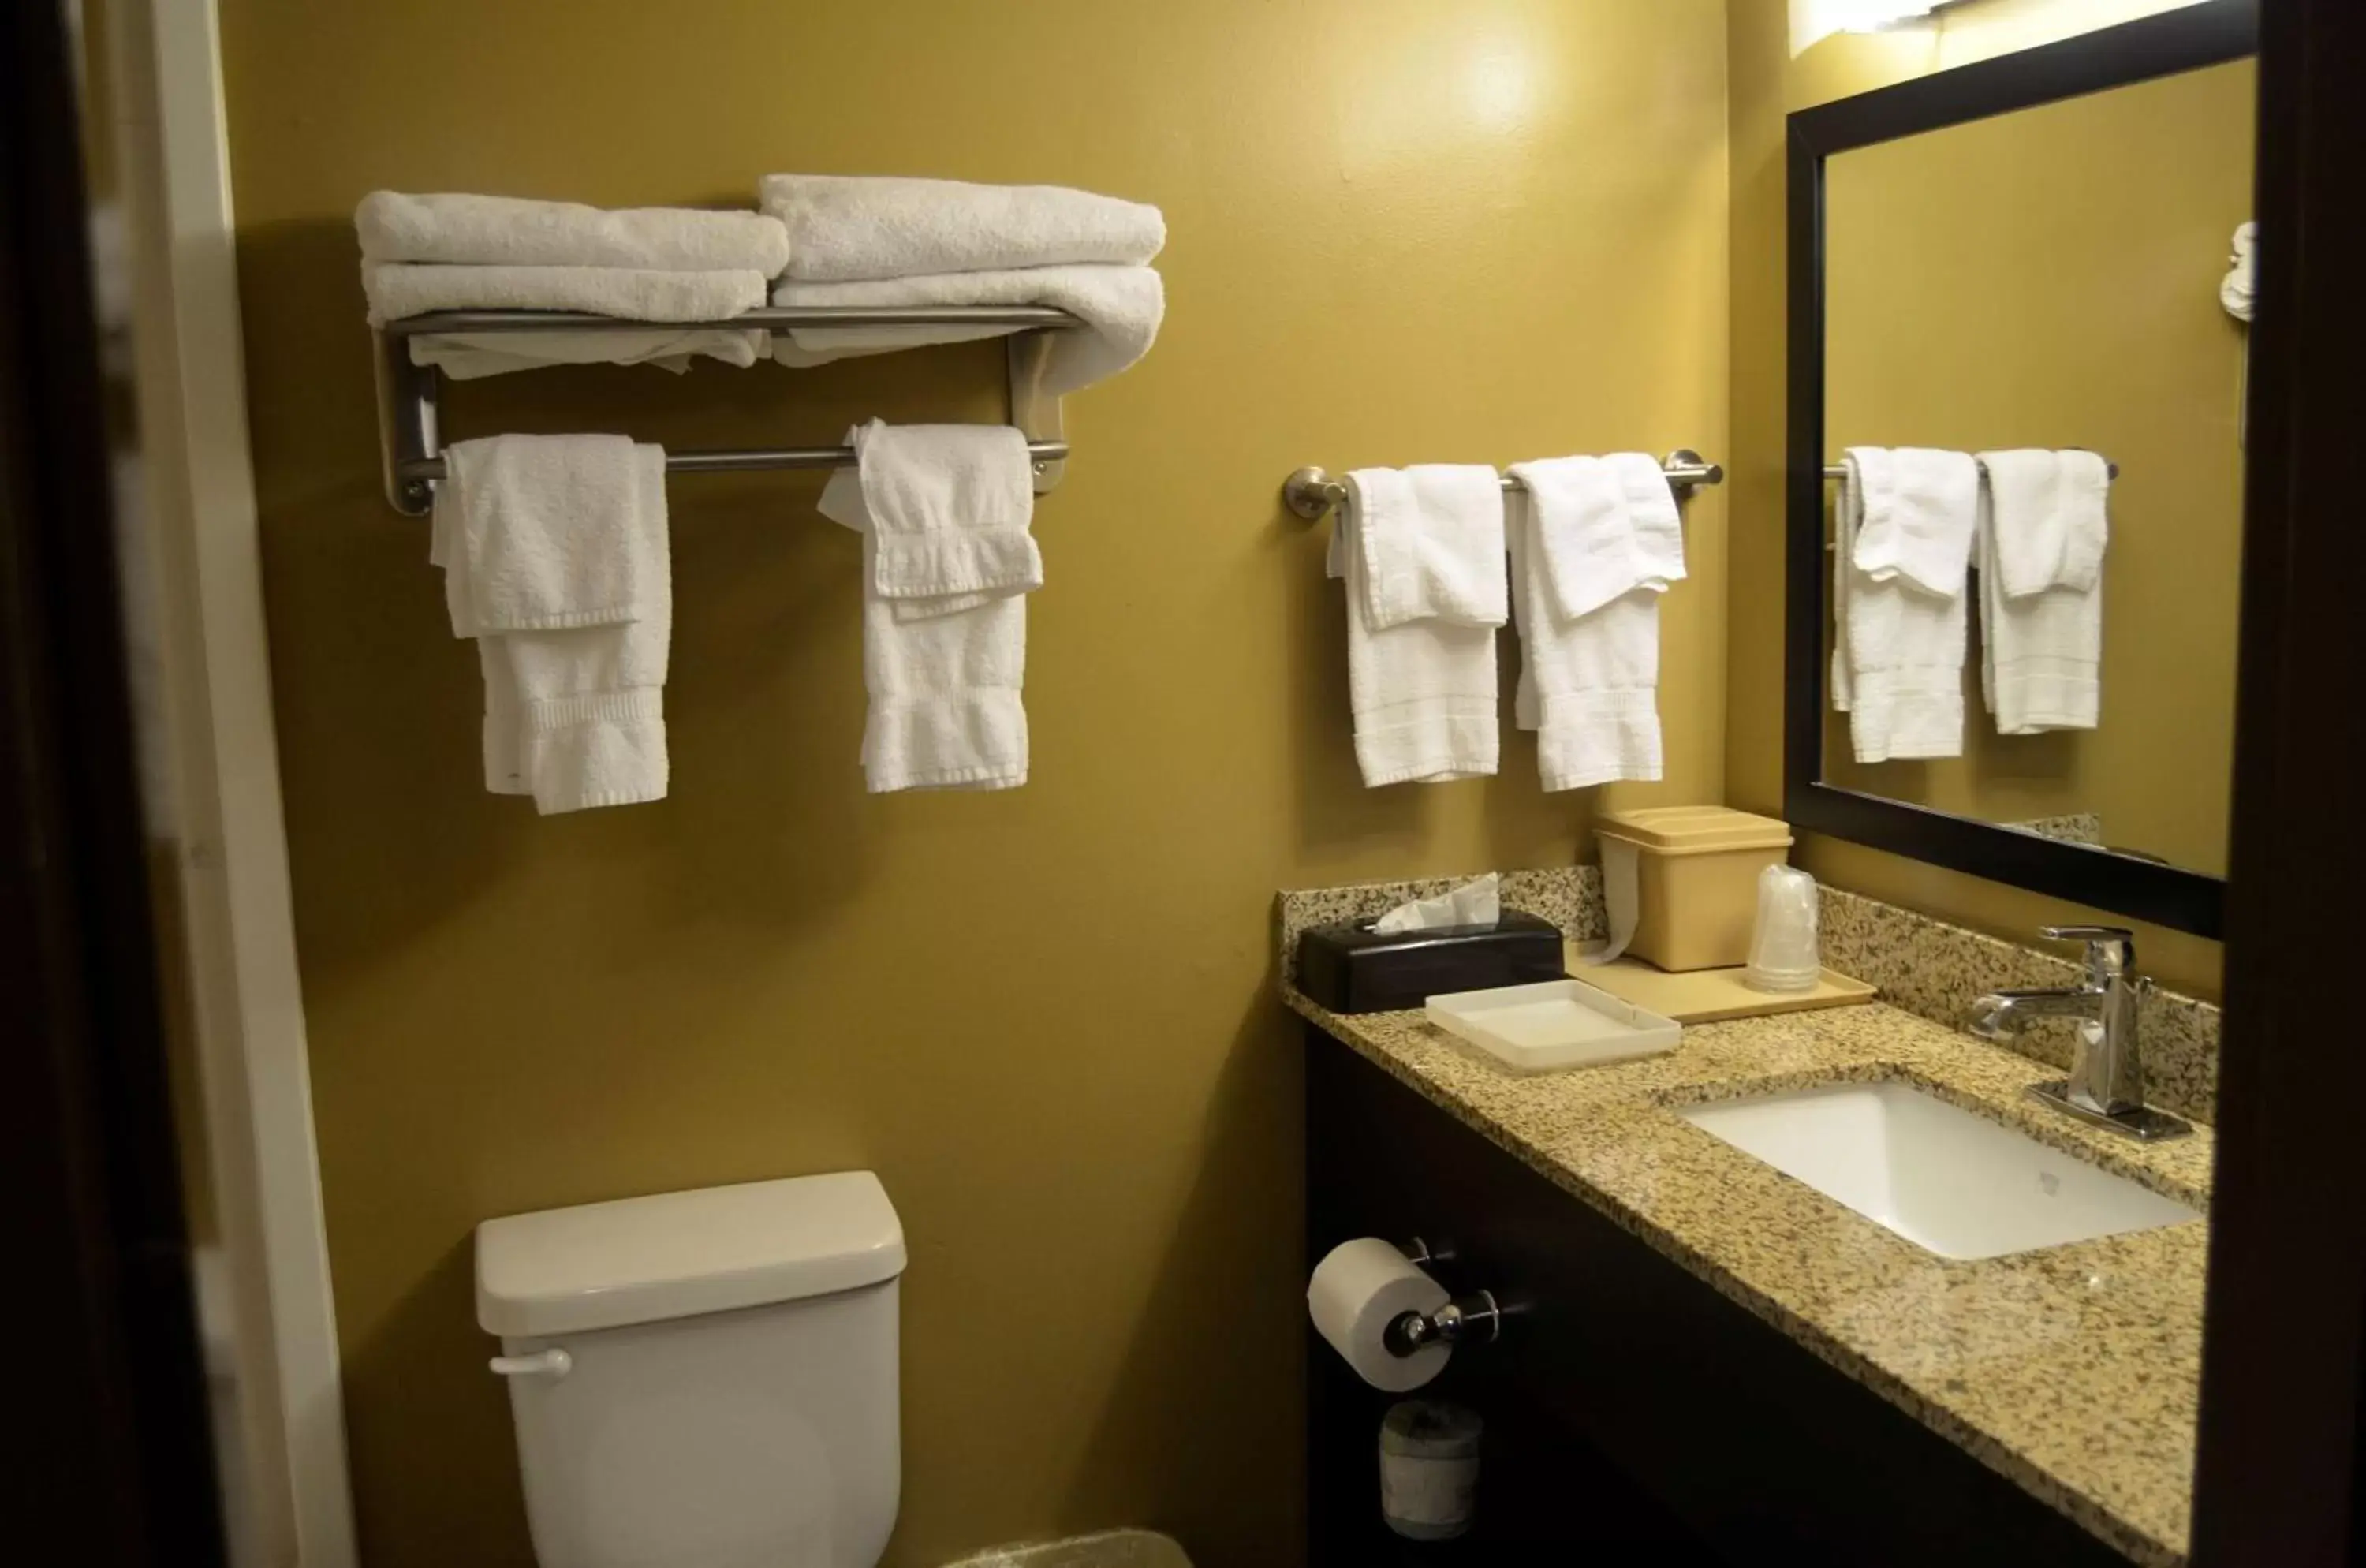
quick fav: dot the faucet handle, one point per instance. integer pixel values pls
(2111, 949)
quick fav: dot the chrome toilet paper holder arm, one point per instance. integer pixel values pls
(1474, 1319)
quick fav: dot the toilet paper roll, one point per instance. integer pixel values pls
(1620, 898)
(1359, 1289)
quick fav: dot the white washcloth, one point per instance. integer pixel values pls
(2043, 528)
(1897, 652)
(843, 227)
(395, 290)
(950, 506)
(945, 711)
(542, 533)
(2049, 518)
(1422, 692)
(1432, 542)
(1589, 682)
(1595, 544)
(504, 230)
(470, 357)
(1122, 307)
(575, 717)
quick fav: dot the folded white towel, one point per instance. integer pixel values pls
(508, 231)
(1898, 653)
(470, 357)
(1432, 541)
(575, 717)
(1121, 306)
(2043, 528)
(1596, 544)
(395, 290)
(2050, 518)
(548, 531)
(1422, 692)
(950, 508)
(843, 227)
(1589, 682)
(945, 710)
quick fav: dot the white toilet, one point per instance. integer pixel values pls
(704, 1379)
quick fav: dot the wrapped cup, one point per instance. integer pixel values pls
(1784, 954)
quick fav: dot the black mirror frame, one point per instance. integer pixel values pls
(2163, 45)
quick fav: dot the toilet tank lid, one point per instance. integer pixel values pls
(681, 1254)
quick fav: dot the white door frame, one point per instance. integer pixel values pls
(287, 1483)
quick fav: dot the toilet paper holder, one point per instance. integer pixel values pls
(1473, 1319)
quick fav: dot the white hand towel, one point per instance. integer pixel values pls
(844, 227)
(2238, 292)
(1432, 541)
(470, 357)
(549, 532)
(1589, 682)
(1898, 653)
(395, 290)
(950, 508)
(945, 711)
(1422, 692)
(2043, 528)
(1596, 543)
(1122, 307)
(503, 231)
(575, 717)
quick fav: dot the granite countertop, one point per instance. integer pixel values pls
(2074, 1370)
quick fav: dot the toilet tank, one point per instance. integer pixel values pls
(705, 1379)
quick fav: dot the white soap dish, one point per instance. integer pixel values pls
(1560, 1023)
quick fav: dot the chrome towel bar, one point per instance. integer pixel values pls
(1312, 492)
(1839, 470)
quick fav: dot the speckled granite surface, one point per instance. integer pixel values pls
(1936, 970)
(2073, 1370)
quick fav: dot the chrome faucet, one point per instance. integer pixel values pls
(2106, 1082)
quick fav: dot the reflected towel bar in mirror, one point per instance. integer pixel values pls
(1839, 470)
(1312, 492)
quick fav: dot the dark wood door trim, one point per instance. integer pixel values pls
(2276, 1481)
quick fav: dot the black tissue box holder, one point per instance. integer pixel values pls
(1353, 968)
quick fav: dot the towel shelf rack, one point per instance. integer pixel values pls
(410, 449)
(1312, 492)
(751, 459)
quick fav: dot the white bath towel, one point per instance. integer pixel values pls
(1595, 544)
(1120, 307)
(548, 531)
(1898, 653)
(1589, 682)
(2043, 529)
(575, 717)
(1432, 541)
(843, 227)
(395, 290)
(470, 357)
(503, 231)
(945, 710)
(950, 508)
(1422, 692)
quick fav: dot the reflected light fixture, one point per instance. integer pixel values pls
(1814, 19)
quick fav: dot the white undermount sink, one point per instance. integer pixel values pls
(1954, 1183)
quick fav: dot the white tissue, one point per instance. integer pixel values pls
(1361, 1288)
(1621, 898)
(1479, 903)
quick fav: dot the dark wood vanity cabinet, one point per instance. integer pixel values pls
(1634, 1415)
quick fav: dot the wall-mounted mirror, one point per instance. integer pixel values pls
(2017, 464)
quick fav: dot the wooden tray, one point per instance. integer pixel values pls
(1704, 996)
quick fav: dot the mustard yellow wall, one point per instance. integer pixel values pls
(2050, 277)
(1402, 232)
(1765, 83)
